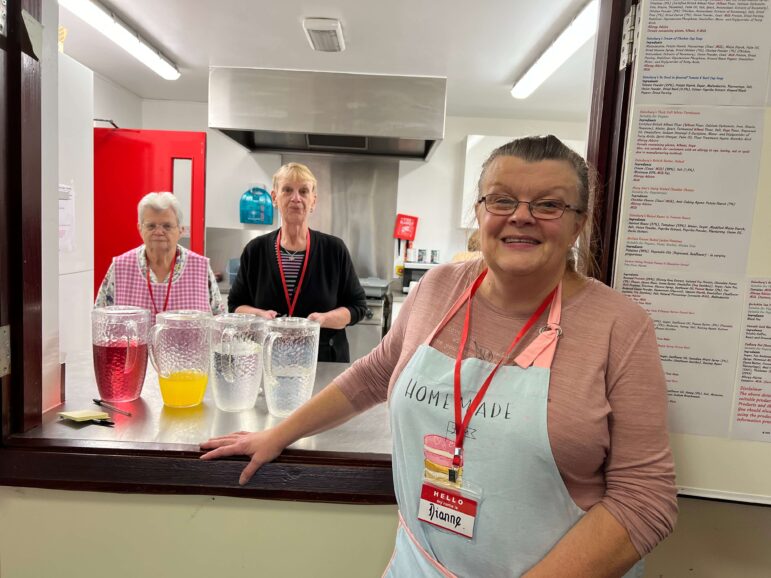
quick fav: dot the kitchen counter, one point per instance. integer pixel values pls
(155, 450)
(151, 421)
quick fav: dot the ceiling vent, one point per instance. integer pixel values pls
(324, 34)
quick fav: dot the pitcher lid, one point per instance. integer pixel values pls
(292, 322)
(239, 319)
(183, 315)
(120, 311)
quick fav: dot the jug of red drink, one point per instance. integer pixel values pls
(119, 337)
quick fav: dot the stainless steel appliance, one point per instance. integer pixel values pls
(367, 333)
(328, 112)
(374, 287)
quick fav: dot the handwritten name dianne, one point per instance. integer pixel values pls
(430, 396)
(436, 513)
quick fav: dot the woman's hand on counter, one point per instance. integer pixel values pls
(262, 446)
(325, 410)
(267, 314)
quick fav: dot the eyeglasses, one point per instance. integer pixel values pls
(544, 209)
(151, 227)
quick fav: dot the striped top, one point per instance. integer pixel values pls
(292, 263)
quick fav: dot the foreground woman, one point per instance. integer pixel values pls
(529, 394)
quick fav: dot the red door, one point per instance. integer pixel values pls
(130, 163)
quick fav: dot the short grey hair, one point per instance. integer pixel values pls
(160, 202)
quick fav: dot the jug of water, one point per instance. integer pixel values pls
(290, 363)
(119, 340)
(179, 352)
(236, 360)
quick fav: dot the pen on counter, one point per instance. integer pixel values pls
(105, 405)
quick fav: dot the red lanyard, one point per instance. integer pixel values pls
(461, 423)
(168, 288)
(291, 304)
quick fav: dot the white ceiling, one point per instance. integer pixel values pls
(479, 46)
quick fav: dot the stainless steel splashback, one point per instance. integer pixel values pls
(356, 201)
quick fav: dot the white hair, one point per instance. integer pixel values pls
(160, 202)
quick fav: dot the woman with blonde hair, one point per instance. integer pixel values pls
(299, 272)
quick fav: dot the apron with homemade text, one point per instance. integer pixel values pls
(525, 507)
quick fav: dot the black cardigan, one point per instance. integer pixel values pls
(330, 282)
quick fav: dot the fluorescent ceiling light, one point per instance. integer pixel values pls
(572, 38)
(108, 24)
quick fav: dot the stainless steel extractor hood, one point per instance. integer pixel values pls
(328, 112)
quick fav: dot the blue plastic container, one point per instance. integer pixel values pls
(257, 206)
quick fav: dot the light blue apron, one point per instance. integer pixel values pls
(525, 508)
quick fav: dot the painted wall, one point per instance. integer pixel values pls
(76, 170)
(113, 102)
(80, 96)
(82, 534)
(87, 535)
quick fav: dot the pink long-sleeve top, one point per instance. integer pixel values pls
(607, 395)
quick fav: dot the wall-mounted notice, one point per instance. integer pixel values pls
(696, 320)
(704, 52)
(752, 414)
(692, 189)
(691, 247)
(66, 218)
(694, 241)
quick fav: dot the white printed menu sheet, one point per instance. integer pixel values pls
(691, 249)
(691, 193)
(66, 218)
(705, 52)
(752, 411)
(697, 329)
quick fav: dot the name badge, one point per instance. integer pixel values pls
(447, 509)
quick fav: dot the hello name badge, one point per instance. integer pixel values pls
(447, 509)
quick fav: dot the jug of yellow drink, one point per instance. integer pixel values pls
(179, 352)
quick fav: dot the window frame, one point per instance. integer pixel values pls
(155, 468)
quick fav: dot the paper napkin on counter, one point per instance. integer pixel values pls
(84, 415)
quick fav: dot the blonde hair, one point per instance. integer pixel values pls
(295, 172)
(473, 241)
(160, 202)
